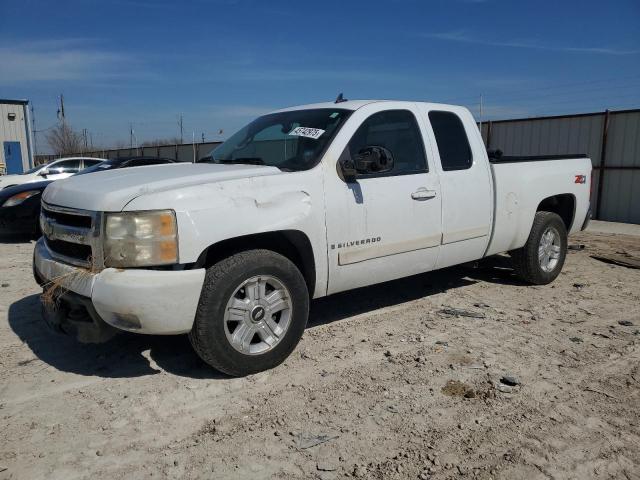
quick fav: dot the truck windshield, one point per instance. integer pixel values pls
(291, 141)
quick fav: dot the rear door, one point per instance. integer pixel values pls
(465, 182)
(382, 226)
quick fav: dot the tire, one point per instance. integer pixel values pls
(260, 271)
(527, 262)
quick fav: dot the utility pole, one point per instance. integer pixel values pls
(61, 111)
(181, 129)
(130, 135)
(35, 133)
(480, 116)
(193, 144)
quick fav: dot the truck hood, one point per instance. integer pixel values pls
(111, 190)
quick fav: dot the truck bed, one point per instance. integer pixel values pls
(520, 184)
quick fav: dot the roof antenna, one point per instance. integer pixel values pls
(340, 99)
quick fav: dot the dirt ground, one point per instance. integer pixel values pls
(387, 382)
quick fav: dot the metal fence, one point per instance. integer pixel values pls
(185, 152)
(611, 139)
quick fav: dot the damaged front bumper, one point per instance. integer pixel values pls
(146, 301)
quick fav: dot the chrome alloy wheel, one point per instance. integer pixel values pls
(549, 249)
(257, 315)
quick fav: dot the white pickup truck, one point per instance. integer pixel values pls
(301, 203)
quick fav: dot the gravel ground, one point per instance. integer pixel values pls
(388, 382)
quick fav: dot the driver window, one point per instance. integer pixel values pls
(398, 132)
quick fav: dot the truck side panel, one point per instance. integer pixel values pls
(520, 187)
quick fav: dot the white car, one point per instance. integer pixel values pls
(301, 203)
(56, 170)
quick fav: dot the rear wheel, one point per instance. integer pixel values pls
(541, 259)
(252, 313)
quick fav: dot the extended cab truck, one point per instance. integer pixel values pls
(301, 203)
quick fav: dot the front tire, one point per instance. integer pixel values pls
(252, 313)
(541, 259)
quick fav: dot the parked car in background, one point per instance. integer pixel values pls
(20, 208)
(20, 204)
(56, 170)
(125, 162)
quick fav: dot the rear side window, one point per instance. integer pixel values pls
(91, 163)
(453, 144)
(66, 166)
(397, 131)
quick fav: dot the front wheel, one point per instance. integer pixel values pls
(252, 313)
(542, 257)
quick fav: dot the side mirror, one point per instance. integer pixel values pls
(44, 172)
(348, 168)
(373, 159)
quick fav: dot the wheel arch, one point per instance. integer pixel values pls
(564, 205)
(292, 244)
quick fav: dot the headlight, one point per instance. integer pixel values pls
(136, 239)
(18, 198)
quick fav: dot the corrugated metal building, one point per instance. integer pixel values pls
(15, 137)
(611, 139)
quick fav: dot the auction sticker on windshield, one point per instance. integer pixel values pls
(308, 132)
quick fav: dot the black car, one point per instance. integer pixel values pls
(20, 208)
(20, 204)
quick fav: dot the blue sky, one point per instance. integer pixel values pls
(222, 62)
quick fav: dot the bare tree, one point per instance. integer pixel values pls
(64, 140)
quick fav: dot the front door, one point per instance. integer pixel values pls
(13, 158)
(383, 226)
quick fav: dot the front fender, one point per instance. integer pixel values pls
(208, 214)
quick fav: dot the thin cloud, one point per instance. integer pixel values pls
(463, 37)
(61, 60)
(263, 73)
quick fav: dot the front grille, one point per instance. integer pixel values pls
(72, 235)
(69, 219)
(71, 250)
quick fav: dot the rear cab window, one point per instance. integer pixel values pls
(451, 138)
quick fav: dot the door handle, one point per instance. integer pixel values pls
(423, 194)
